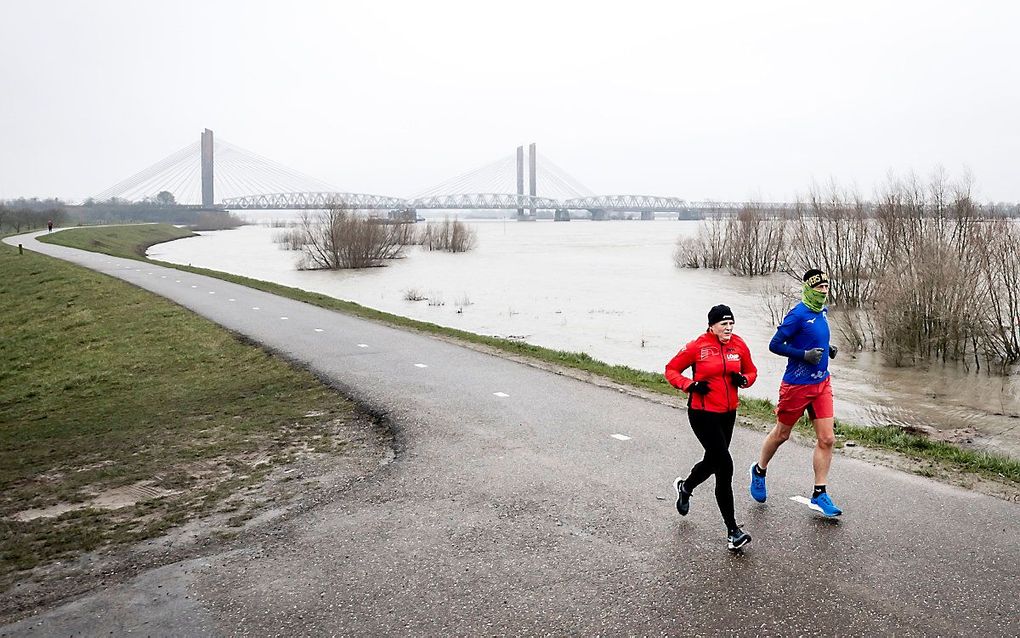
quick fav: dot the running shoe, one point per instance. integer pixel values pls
(683, 499)
(822, 503)
(758, 492)
(737, 539)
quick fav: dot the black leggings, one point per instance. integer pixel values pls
(714, 430)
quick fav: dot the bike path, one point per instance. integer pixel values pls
(526, 502)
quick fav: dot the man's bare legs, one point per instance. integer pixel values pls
(779, 435)
(822, 457)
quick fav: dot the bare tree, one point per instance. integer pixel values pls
(754, 241)
(937, 274)
(833, 231)
(450, 235)
(777, 300)
(707, 248)
(337, 238)
(1000, 285)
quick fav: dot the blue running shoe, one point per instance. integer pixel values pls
(822, 503)
(758, 492)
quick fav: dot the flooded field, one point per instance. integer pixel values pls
(610, 289)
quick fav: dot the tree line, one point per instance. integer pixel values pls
(919, 272)
(18, 215)
(23, 214)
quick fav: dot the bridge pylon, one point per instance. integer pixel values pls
(208, 199)
(532, 176)
(520, 178)
(529, 214)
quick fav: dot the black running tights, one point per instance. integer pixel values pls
(714, 430)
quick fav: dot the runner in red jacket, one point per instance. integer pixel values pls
(720, 362)
(712, 360)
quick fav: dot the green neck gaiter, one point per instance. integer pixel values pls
(813, 299)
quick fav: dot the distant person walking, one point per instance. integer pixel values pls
(803, 337)
(49, 226)
(720, 362)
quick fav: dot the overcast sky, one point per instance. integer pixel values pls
(700, 100)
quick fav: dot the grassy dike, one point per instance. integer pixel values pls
(106, 389)
(940, 455)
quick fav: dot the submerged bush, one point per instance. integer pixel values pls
(338, 238)
(450, 235)
(706, 249)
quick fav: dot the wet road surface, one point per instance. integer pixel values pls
(525, 502)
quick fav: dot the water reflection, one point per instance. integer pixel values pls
(610, 289)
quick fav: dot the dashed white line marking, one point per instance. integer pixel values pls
(212, 292)
(194, 286)
(162, 276)
(621, 437)
(318, 329)
(177, 281)
(231, 299)
(254, 307)
(362, 345)
(420, 365)
(283, 318)
(501, 395)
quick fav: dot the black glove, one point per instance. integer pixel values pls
(739, 380)
(701, 387)
(833, 350)
(813, 356)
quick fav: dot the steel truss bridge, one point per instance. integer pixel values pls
(491, 201)
(243, 180)
(464, 201)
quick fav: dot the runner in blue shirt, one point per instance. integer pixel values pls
(803, 337)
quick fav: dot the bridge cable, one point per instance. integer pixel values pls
(122, 187)
(147, 174)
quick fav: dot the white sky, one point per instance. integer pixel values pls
(701, 100)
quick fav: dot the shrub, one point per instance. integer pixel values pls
(450, 235)
(338, 238)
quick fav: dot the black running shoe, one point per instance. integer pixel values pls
(683, 499)
(737, 539)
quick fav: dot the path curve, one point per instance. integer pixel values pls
(526, 502)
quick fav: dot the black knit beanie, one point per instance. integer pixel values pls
(719, 313)
(814, 277)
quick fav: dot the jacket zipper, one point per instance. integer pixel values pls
(722, 353)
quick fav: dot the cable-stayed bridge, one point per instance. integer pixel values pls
(216, 174)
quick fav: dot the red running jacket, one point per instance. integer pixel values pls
(712, 361)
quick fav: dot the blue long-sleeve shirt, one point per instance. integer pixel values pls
(802, 330)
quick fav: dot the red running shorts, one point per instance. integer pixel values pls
(795, 399)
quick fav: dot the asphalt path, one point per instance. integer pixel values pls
(523, 502)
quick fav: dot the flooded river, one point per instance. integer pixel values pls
(610, 289)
